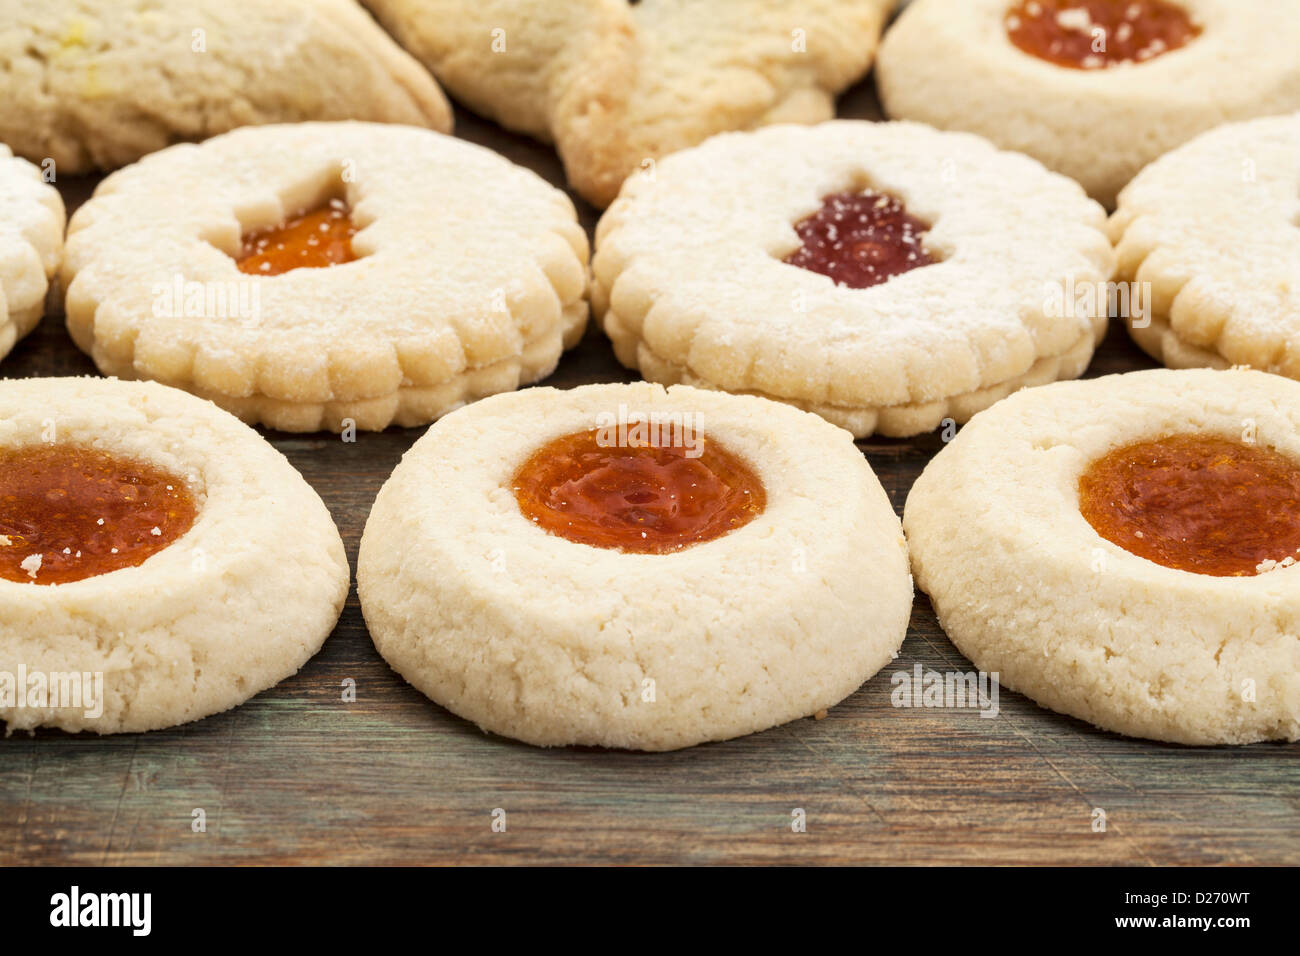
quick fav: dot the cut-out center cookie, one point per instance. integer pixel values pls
(464, 276)
(1200, 504)
(68, 513)
(860, 240)
(936, 303)
(1095, 34)
(647, 498)
(313, 239)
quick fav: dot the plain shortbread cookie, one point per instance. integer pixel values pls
(1024, 586)
(235, 605)
(549, 641)
(616, 85)
(689, 284)
(96, 84)
(470, 279)
(950, 63)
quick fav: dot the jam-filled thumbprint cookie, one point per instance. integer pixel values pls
(1096, 89)
(31, 243)
(635, 567)
(1213, 231)
(883, 275)
(1125, 550)
(159, 560)
(322, 275)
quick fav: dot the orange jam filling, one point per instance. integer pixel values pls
(1095, 34)
(1201, 504)
(650, 499)
(309, 240)
(860, 240)
(68, 513)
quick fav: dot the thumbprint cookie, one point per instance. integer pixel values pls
(632, 566)
(159, 560)
(1124, 550)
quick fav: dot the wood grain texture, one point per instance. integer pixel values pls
(297, 775)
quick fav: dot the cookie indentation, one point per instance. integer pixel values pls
(68, 512)
(861, 239)
(1197, 503)
(639, 492)
(1096, 34)
(312, 239)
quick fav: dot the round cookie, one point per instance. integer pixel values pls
(1212, 230)
(465, 274)
(97, 84)
(228, 573)
(1157, 614)
(474, 591)
(692, 278)
(31, 242)
(617, 85)
(956, 64)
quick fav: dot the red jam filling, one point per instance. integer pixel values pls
(860, 240)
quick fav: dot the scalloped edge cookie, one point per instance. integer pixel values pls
(616, 85)
(950, 63)
(31, 246)
(688, 279)
(1025, 587)
(96, 84)
(235, 605)
(1214, 229)
(551, 642)
(471, 276)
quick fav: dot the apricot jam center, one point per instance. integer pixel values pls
(68, 513)
(860, 240)
(1095, 34)
(309, 240)
(651, 499)
(1201, 504)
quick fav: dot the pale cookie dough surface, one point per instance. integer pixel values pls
(616, 84)
(470, 277)
(1024, 586)
(552, 642)
(96, 84)
(1214, 229)
(689, 284)
(235, 605)
(31, 243)
(950, 63)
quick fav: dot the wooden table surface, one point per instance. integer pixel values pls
(298, 775)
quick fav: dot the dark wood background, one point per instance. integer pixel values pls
(296, 775)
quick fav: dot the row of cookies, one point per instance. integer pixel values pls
(1094, 89)
(334, 275)
(648, 568)
(885, 247)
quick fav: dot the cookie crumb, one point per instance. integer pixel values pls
(31, 564)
